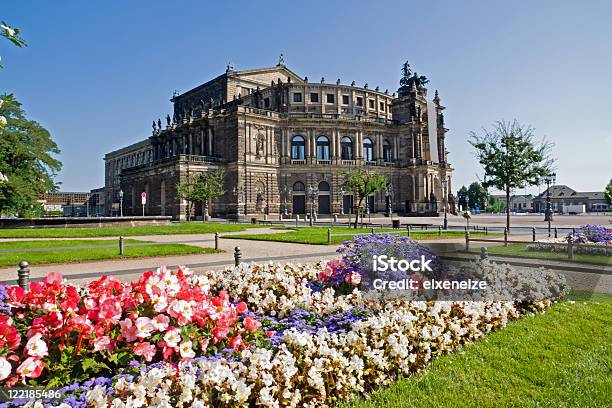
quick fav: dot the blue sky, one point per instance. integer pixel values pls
(97, 73)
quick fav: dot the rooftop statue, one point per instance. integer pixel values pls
(409, 77)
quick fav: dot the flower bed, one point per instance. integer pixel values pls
(596, 240)
(256, 335)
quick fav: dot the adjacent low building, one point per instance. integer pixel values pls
(279, 137)
(561, 195)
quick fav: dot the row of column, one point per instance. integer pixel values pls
(335, 144)
(185, 145)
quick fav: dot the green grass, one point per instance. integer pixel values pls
(176, 228)
(62, 243)
(318, 235)
(89, 254)
(561, 358)
(520, 250)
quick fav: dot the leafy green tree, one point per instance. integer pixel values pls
(462, 198)
(608, 192)
(363, 182)
(496, 205)
(206, 187)
(27, 163)
(11, 34)
(477, 195)
(511, 157)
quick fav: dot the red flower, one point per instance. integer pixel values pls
(251, 324)
(236, 342)
(242, 308)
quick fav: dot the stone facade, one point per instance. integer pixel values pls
(276, 134)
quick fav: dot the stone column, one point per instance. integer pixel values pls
(210, 141)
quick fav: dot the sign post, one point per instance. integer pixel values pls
(143, 200)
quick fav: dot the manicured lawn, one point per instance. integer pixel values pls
(520, 250)
(318, 235)
(561, 358)
(176, 228)
(90, 254)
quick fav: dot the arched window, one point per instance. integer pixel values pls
(368, 149)
(322, 148)
(299, 186)
(323, 186)
(387, 151)
(346, 145)
(297, 148)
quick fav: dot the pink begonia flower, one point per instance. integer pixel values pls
(354, 278)
(36, 346)
(186, 349)
(110, 310)
(104, 343)
(220, 333)
(251, 324)
(5, 368)
(181, 310)
(128, 330)
(145, 349)
(144, 327)
(32, 367)
(53, 277)
(161, 322)
(172, 337)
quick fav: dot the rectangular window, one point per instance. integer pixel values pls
(345, 99)
(314, 97)
(297, 97)
(382, 106)
(266, 102)
(371, 103)
(330, 98)
(359, 101)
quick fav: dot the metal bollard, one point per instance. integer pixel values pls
(570, 249)
(408, 230)
(372, 229)
(329, 236)
(467, 241)
(23, 275)
(486, 230)
(484, 253)
(121, 246)
(505, 236)
(533, 234)
(237, 256)
(439, 230)
(556, 233)
(297, 219)
(216, 241)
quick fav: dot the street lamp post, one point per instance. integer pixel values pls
(389, 199)
(121, 203)
(445, 198)
(312, 193)
(549, 179)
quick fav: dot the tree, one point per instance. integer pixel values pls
(608, 192)
(11, 34)
(462, 198)
(496, 205)
(27, 163)
(477, 195)
(207, 186)
(362, 183)
(511, 157)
